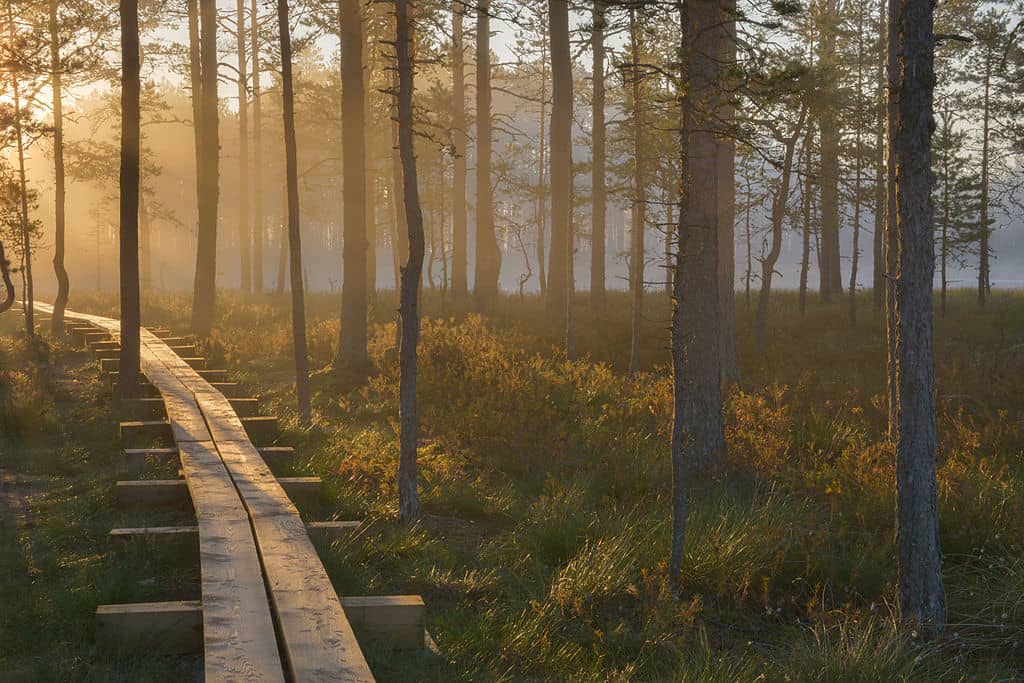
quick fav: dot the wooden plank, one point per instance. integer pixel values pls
(228, 389)
(214, 375)
(245, 407)
(398, 620)
(329, 529)
(194, 362)
(166, 628)
(319, 641)
(262, 430)
(136, 459)
(142, 433)
(142, 408)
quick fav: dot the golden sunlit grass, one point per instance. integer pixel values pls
(547, 487)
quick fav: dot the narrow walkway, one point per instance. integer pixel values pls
(253, 543)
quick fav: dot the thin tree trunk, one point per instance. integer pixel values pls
(353, 356)
(947, 133)
(408, 494)
(195, 67)
(542, 165)
(808, 200)
(750, 257)
(561, 160)
(5, 274)
(919, 560)
(60, 195)
(778, 217)
(829, 263)
(258, 226)
(599, 211)
(878, 240)
(244, 231)
(727, 210)
(145, 243)
(205, 290)
(128, 369)
(983, 249)
(858, 163)
(637, 251)
(488, 255)
(891, 235)
(302, 389)
(460, 140)
(26, 224)
(698, 433)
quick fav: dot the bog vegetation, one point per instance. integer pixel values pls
(545, 484)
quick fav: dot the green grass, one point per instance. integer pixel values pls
(543, 556)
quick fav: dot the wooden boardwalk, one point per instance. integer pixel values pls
(268, 610)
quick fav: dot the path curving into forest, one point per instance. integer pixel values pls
(269, 610)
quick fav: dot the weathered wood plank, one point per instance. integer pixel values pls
(398, 620)
(167, 628)
(151, 493)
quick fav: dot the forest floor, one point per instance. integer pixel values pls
(546, 483)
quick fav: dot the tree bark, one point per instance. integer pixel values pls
(808, 200)
(258, 227)
(698, 433)
(983, 248)
(5, 275)
(353, 357)
(460, 140)
(921, 594)
(542, 166)
(408, 494)
(891, 235)
(60, 193)
(561, 160)
(599, 210)
(637, 249)
(26, 223)
(878, 239)
(204, 295)
(302, 389)
(488, 255)
(244, 231)
(829, 263)
(779, 202)
(727, 210)
(128, 369)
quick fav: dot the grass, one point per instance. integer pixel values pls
(547, 483)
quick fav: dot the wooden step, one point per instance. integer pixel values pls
(214, 375)
(229, 389)
(262, 430)
(176, 628)
(143, 433)
(106, 346)
(137, 459)
(329, 529)
(395, 620)
(245, 407)
(112, 362)
(166, 492)
(162, 628)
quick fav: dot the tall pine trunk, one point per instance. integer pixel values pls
(353, 357)
(60, 193)
(258, 227)
(808, 200)
(23, 216)
(599, 199)
(244, 231)
(727, 210)
(637, 248)
(460, 140)
(984, 281)
(878, 239)
(204, 294)
(128, 372)
(698, 432)
(488, 255)
(561, 161)
(542, 166)
(302, 389)
(919, 560)
(408, 494)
